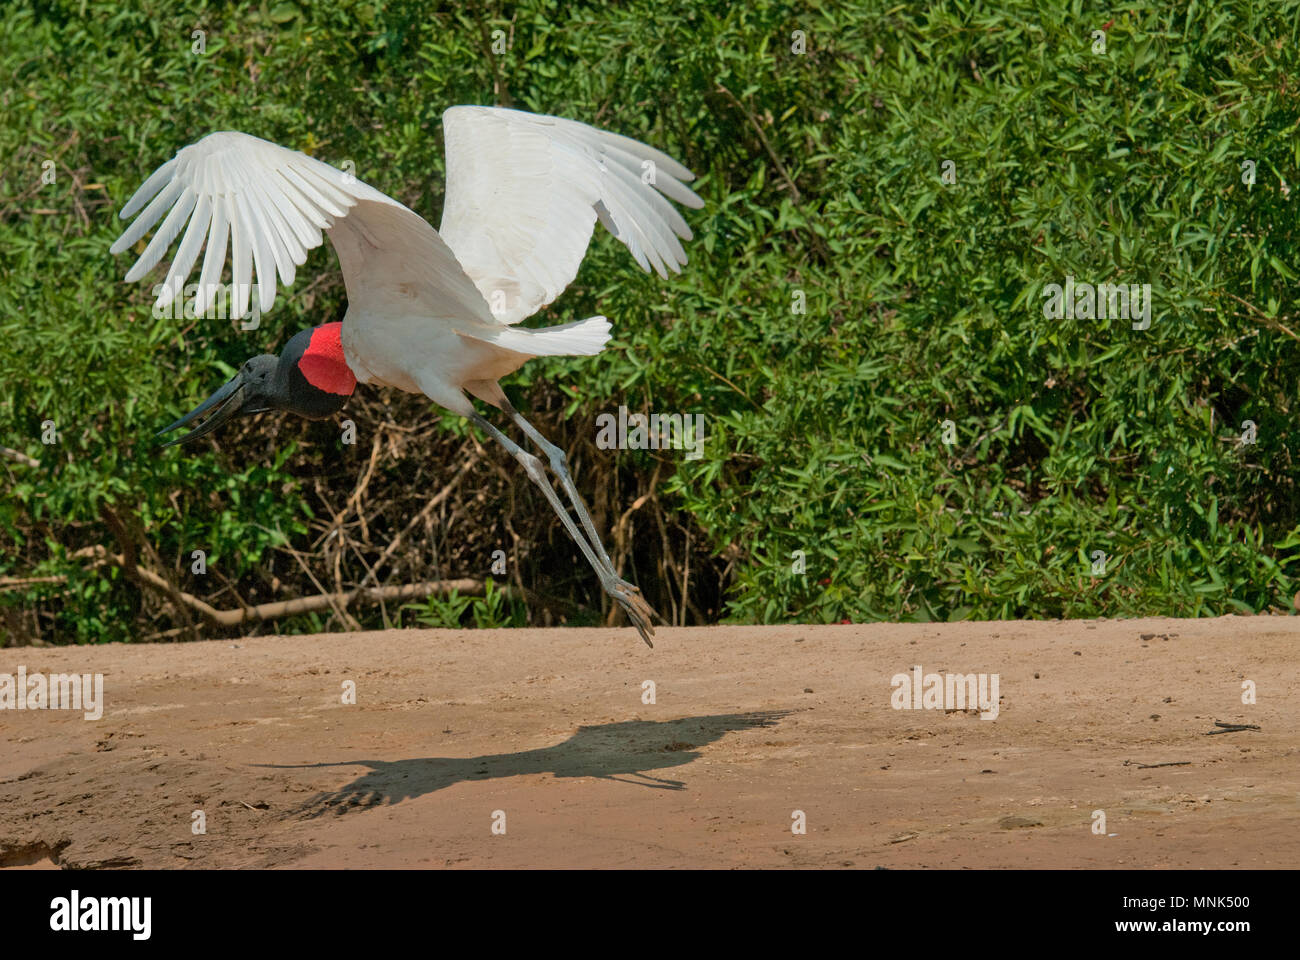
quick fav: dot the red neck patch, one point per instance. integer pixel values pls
(323, 363)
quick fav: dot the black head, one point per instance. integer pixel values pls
(310, 378)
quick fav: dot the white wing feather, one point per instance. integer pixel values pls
(270, 205)
(524, 191)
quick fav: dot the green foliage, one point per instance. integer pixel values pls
(822, 177)
(1072, 435)
(494, 609)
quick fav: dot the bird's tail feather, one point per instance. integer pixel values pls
(582, 338)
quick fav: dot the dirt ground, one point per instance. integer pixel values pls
(546, 732)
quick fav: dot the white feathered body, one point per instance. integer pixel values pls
(429, 311)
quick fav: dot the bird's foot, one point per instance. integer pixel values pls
(628, 596)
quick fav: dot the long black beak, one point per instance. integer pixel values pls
(229, 403)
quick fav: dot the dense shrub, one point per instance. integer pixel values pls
(845, 311)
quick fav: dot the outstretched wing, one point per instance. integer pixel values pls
(524, 191)
(270, 205)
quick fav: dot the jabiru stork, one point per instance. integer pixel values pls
(429, 311)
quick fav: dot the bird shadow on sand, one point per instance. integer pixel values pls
(622, 752)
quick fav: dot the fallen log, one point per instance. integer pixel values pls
(276, 609)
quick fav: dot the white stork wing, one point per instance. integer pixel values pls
(271, 204)
(523, 192)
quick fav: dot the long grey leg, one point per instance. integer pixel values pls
(624, 594)
(560, 466)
